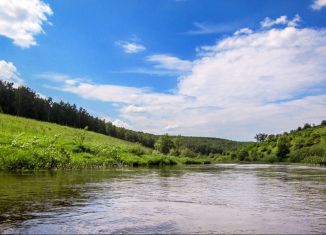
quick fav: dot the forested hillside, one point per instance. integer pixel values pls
(306, 144)
(24, 102)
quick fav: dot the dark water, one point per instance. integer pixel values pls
(197, 199)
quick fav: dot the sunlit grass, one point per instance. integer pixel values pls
(29, 144)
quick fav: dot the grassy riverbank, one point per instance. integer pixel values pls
(29, 144)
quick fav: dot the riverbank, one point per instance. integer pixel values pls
(27, 144)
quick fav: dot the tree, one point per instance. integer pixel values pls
(243, 154)
(261, 137)
(164, 144)
(283, 147)
(306, 126)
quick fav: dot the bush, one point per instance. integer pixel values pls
(174, 152)
(321, 160)
(163, 144)
(187, 153)
(137, 150)
(300, 154)
(300, 143)
(243, 155)
(270, 158)
(283, 147)
(20, 160)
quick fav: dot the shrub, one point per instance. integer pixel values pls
(283, 147)
(163, 144)
(188, 153)
(300, 154)
(270, 158)
(242, 155)
(300, 143)
(321, 160)
(137, 150)
(174, 152)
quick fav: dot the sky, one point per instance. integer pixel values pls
(227, 69)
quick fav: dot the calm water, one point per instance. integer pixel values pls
(196, 199)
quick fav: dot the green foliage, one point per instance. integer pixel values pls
(304, 153)
(299, 143)
(137, 150)
(185, 152)
(270, 158)
(243, 155)
(164, 144)
(321, 160)
(80, 137)
(307, 145)
(174, 152)
(283, 147)
(27, 144)
(261, 137)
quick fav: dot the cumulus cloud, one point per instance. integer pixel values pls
(116, 122)
(131, 47)
(282, 20)
(121, 123)
(243, 31)
(9, 73)
(270, 80)
(318, 5)
(22, 20)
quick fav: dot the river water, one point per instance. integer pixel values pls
(223, 198)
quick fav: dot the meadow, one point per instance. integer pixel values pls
(27, 144)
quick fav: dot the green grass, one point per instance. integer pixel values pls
(27, 144)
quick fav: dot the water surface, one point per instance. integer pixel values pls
(195, 199)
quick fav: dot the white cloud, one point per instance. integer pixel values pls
(207, 28)
(121, 123)
(171, 127)
(318, 5)
(22, 20)
(9, 73)
(168, 62)
(116, 122)
(271, 80)
(282, 20)
(243, 31)
(131, 47)
(134, 109)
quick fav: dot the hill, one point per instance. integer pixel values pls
(30, 144)
(305, 145)
(24, 102)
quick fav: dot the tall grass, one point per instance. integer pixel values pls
(28, 145)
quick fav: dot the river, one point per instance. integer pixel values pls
(222, 198)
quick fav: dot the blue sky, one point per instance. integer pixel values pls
(211, 68)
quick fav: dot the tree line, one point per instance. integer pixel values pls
(24, 102)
